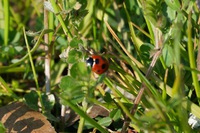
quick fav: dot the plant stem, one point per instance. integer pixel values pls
(31, 60)
(85, 116)
(137, 42)
(47, 61)
(31, 51)
(6, 21)
(192, 59)
(58, 15)
(82, 119)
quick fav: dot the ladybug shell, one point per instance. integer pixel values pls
(98, 63)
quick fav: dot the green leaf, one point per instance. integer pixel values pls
(146, 49)
(51, 117)
(75, 97)
(75, 42)
(14, 60)
(68, 82)
(79, 71)
(168, 55)
(171, 14)
(31, 100)
(115, 114)
(18, 48)
(106, 121)
(72, 88)
(74, 56)
(47, 102)
(174, 4)
(88, 125)
(2, 128)
(107, 98)
(33, 34)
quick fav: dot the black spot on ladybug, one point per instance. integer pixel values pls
(103, 66)
(96, 61)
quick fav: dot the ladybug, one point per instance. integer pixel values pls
(98, 64)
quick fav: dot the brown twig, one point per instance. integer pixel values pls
(141, 92)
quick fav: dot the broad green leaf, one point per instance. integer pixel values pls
(115, 114)
(168, 55)
(106, 121)
(174, 4)
(74, 56)
(51, 117)
(75, 42)
(107, 98)
(48, 101)
(68, 82)
(146, 50)
(79, 71)
(18, 48)
(31, 100)
(72, 88)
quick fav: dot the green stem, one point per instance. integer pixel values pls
(135, 40)
(6, 21)
(82, 119)
(12, 70)
(31, 51)
(31, 60)
(85, 116)
(59, 17)
(192, 58)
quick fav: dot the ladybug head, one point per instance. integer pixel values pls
(90, 61)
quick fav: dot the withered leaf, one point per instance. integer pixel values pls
(17, 117)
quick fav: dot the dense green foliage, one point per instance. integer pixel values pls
(152, 47)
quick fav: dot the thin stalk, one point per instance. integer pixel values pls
(51, 25)
(135, 40)
(12, 70)
(85, 116)
(164, 92)
(59, 17)
(6, 21)
(31, 60)
(82, 119)
(143, 31)
(177, 84)
(192, 58)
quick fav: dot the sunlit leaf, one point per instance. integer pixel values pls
(79, 71)
(106, 121)
(74, 56)
(115, 114)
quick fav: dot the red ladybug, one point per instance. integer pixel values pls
(98, 64)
